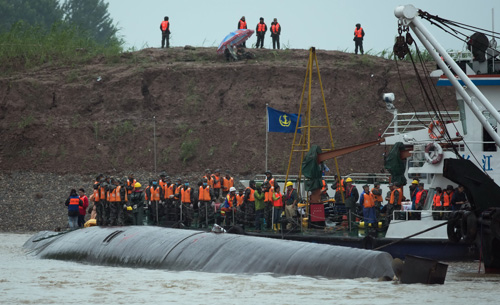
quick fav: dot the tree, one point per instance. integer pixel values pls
(41, 13)
(92, 17)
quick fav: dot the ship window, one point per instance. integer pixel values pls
(488, 142)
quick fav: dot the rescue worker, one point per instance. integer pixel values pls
(278, 207)
(413, 193)
(162, 182)
(97, 198)
(268, 187)
(83, 208)
(240, 212)
(187, 200)
(291, 200)
(395, 200)
(459, 198)
(420, 197)
(367, 202)
(205, 204)
(208, 176)
(229, 206)
(359, 34)
(242, 25)
(117, 197)
(339, 187)
(171, 211)
(227, 183)
(154, 193)
(446, 200)
(260, 30)
(130, 184)
(104, 199)
(275, 33)
(324, 189)
(259, 196)
(136, 204)
(165, 32)
(437, 204)
(351, 195)
(217, 183)
(377, 197)
(249, 203)
(73, 203)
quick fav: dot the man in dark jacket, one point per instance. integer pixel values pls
(359, 34)
(459, 198)
(275, 33)
(242, 25)
(73, 203)
(261, 30)
(136, 204)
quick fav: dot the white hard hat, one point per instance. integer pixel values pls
(232, 189)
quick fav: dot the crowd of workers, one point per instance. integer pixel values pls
(260, 32)
(175, 203)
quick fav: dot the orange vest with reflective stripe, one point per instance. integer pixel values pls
(436, 200)
(230, 200)
(239, 199)
(227, 183)
(340, 186)
(169, 190)
(164, 25)
(216, 180)
(155, 194)
(358, 33)
(243, 25)
(74, 201)
(275, 28)
(376, 197)
(251, 198)
(368, 201)
(186, 195)
(279, 202)
(447, 199)
(204, 194)
(261, 27)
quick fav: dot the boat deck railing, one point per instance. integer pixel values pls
(420, 214)
(412, 121)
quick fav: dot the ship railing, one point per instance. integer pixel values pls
(412, 121)
(420, 214)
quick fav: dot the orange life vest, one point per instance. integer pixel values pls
(242, 25)
(275, 28)
(186, 195)
(278, 202)
(96, 193)
(210, 181)
(340, 186)
(216, 182)
(447, 199)
(261, 27)
(419, 196)
(102, 193)
(368, 201)
(155, 194)
(268, 196)
(437, 200)
(178, 190)
(164, 25)
(400, 197)
(129, 183)
(204, 194)
(74, 201)
(227, 183)
(376, 197)
(239, 199)
(169, 190)
(358, 33)
(251, 198)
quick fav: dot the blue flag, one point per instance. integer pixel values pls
(279, 121)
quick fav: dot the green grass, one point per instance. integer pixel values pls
(188, 147)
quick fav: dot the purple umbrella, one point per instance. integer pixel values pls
(233, 39)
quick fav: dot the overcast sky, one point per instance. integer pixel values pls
(325, 24)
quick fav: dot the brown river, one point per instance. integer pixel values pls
(25, 279)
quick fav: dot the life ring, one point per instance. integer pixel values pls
(440, 129)
(437, 156)
(469, 226)
(453, 228)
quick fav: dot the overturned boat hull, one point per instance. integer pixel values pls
(175, 249)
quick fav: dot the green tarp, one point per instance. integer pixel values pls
(312, 170)
(395, 165)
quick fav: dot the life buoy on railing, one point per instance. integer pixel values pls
(439, 127)
(437, 153)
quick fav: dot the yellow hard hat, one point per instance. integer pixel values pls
(414, 182)
(137, 185)
(289, 183)
(129, 208)
(348, 180)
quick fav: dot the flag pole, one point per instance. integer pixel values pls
(267, 131)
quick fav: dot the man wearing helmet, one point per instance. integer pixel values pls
(291, 199)
(136, 204)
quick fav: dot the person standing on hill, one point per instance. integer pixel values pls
(83, 207)
(359, 34)
(242, 25)
(165, 32)
(275, 33)
(261, 30)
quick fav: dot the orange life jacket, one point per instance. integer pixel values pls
(437, 200)
(278, 202)
(164, 25)
(340, 186)
(251, 198)
(204, 194)
(169, 190)
(102, 193)
(242, 25)
(368, 201)
(275, 28)
(239, 199)
(186, 195)
(377, 197)
(216, 181)
(155, 194)
(96, 193)
(210, 181)
(129, 183)
(447, 199)
(227, 183)
(268, 196)
(400, 197)
(261, 27)
(74, 201)
(178, 190)
(358, 33)
(419, 196)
